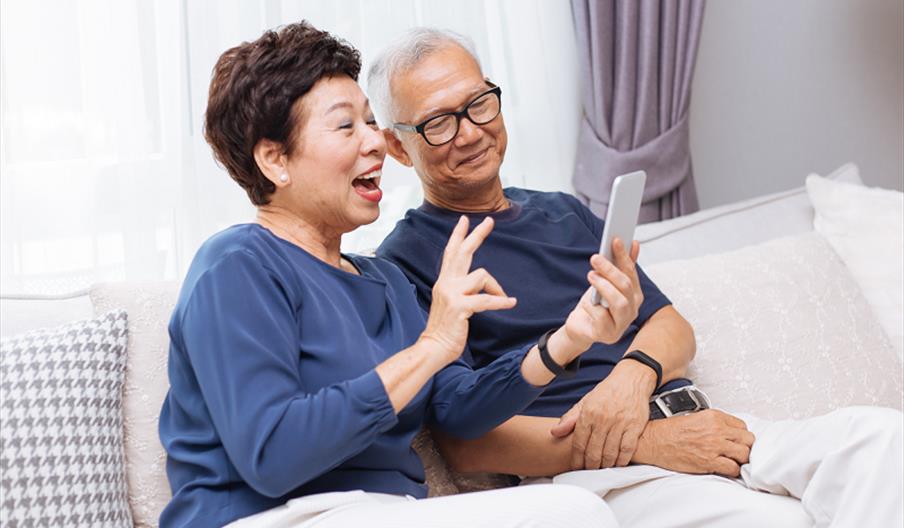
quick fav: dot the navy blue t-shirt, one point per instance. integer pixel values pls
(539, 251)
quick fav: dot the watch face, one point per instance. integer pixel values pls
(680, 401)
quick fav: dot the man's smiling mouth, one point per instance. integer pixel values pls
(476, 158)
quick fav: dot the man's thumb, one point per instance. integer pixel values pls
(566, 424)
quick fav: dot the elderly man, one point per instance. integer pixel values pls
(443, 118)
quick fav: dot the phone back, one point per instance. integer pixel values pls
(621, 217)
(624, 207)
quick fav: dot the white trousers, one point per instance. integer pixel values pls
(843, 469)
(541, 506)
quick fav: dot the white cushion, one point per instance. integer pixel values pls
(61, 432)
(866, 227)
(734, 225)
(782, 330)
(150, 305)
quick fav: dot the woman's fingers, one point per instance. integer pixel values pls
(480, 280)
(461, 246)
(483, 302)
(493, 298)
(455, 240)
(476, 238)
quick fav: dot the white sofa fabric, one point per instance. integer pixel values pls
(726, 341)
(735, 225)
(149, 305)
(782, 330)
(865, 226)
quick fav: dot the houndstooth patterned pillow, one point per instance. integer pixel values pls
(61, 454)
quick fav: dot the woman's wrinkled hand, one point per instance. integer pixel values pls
(459, 293)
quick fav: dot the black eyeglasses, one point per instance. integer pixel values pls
(441, 129)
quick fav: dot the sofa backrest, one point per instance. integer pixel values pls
(27, 312)
(149, 305)
(733, 226)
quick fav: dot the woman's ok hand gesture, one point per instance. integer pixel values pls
(459, 293)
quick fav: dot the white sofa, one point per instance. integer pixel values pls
(760, 287)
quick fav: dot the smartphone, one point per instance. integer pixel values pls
(621, 218)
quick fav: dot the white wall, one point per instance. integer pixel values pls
(784, 88)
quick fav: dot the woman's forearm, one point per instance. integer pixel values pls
(562, 349)
(405, 373)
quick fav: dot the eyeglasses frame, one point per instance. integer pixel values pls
(463, 113)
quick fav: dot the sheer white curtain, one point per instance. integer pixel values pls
(91, 142)
(104, 171)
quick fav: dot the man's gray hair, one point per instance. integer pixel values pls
(404, 53)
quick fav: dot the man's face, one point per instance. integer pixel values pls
(446, 81)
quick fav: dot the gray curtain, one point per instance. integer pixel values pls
(637, 62)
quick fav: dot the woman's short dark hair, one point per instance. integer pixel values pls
(253, 90)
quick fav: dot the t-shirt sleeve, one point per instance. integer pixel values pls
(653, 298)
(468, 403)
(239, 330)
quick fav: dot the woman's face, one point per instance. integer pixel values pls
(337, 160)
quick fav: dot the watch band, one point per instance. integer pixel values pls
(641, 357)
(676, 402)
(567, 371)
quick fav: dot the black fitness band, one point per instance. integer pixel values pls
(567, 371)
(640, 356)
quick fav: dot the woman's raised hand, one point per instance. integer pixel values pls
(459, 293)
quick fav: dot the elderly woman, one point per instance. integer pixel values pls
(300, 375)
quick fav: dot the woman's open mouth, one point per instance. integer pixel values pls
(368, 186)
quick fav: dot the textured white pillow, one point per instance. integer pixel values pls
(61, 425)
(866, 227)
(782, 330)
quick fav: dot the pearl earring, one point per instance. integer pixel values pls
(284, 178)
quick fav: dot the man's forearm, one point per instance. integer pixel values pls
(524, 446)
(520, 446)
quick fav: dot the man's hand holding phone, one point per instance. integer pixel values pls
(618, 284)
(614, 297)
